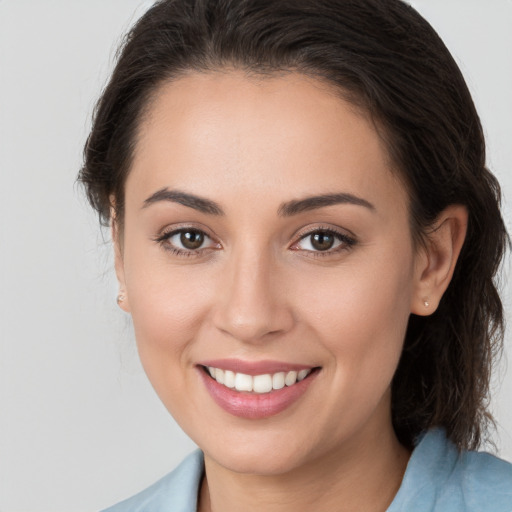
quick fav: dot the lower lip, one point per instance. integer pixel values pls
(254, 405)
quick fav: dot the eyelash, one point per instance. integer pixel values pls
(347, 242)
(164, 238)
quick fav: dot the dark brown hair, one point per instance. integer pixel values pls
(384, 57)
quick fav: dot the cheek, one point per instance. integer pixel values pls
(168, 310)
(360, 313)
(168, 305)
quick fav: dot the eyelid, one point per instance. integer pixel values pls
(183, 226)
(165, 234)
(348, 239)
(309, 229)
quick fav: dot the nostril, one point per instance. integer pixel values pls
(261, 324)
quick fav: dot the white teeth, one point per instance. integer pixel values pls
(291, 378)
(278, 380)
(219, 376)
(302, 374)
(229, 379)
(243, 382)
(262, 383)
(258, 383)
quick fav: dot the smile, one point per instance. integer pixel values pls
(256, 390)
(264, 383)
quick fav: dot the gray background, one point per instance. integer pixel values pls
(80, 428)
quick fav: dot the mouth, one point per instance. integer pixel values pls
(255, 393)
(263, 383)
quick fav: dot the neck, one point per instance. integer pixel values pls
(365, 476)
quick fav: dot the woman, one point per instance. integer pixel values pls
(306, 237)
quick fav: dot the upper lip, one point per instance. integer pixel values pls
(255, 367)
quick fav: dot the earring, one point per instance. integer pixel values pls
(426, 303)
(120, 298)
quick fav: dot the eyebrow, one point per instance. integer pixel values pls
(192, 201)
(287, 209)
(314, 202)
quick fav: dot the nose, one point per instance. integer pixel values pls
(252, 306)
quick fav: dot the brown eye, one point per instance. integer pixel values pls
(187, 241)
(322, 241)
(191, 240)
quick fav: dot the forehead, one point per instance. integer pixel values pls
(226, 131)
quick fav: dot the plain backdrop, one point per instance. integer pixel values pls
(80, 427)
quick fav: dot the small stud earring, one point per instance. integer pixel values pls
(426, 303)
(120, 298)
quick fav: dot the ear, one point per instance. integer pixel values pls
(436, 261)
(117, 242)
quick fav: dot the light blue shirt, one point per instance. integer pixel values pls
(438, 479)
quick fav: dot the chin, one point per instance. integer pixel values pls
(274, 455)
(258, 463)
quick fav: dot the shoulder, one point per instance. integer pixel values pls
(439, 478)
(486, 481)
(176, 491)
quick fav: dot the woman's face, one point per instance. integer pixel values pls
(266, 234)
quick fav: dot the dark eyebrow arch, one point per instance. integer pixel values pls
(312, 203)
(192, 201)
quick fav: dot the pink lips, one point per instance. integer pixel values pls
(254, 405)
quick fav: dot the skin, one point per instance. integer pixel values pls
(258, 290)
